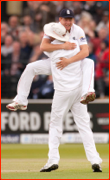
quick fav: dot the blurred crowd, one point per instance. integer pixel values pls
(21, 36)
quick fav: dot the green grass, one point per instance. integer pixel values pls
(24, 162)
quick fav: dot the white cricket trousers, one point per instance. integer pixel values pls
(44, 67)
(62, 102)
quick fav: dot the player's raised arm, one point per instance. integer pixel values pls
(47, 39)
(84, 52)
(47, 46)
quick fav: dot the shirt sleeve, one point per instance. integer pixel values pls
(45, 52)
(45, 36)
(81, 37)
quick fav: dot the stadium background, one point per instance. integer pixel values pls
(22, 32)
(21, 35)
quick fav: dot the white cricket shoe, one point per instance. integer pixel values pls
(88, 98)
(49, 167)
(14, 106)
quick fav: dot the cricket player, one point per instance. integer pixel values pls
(44, 66)
(68, 86)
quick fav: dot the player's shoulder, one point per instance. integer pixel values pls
(77, 28)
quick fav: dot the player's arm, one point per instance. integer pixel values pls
(47, 46)
(84, 52)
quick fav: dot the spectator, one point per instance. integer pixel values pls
(92, 29)
(37, 54)
(21, 36)
(105, 60)
(59, 6)
(32, 8)
(106, 81)
(77, 9)
(28, 23)
(84, 23)
(29, 9)
(102, 68)
(14, 26)
(4, 32)
(46, 91)
(68, 4)
(99, 81)
(102, 35)
(38, 22)
(38, 82)
(104, 22)
(14, 59)
(26, 48)
(89, 6)
(14, 70)
(105, 4)
(48, 10)
(97, 16)
(107, 26)
(7, 47)
(91, 53)
(101, 49)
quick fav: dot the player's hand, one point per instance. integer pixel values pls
(69, 46)
(62, 63)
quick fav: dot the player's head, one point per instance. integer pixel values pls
(56, 31)
(66, 18)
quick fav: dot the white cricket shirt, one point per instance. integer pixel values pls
(71, 76)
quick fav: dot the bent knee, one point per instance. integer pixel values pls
(89, 61)
(29, 67)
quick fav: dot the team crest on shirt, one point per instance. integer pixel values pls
(83, 39)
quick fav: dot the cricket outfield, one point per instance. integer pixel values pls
(24, 162)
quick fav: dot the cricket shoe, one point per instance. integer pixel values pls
(96, 168)
(88, 98)
(14, 106)
(49, 167)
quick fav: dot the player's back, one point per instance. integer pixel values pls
(71, 76)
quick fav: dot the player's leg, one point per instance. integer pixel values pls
(82, 120)
(25, 81)
(59, 106)
(62, 102)
(88, 92)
